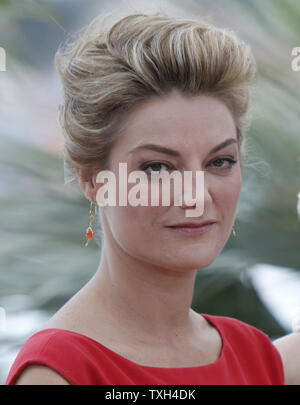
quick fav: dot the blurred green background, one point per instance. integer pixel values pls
(43, 261)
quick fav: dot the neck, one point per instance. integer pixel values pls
(145, 300)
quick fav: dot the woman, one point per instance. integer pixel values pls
(160, 94)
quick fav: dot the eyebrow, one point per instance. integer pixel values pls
(172, 152)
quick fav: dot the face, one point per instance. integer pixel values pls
(192, 127)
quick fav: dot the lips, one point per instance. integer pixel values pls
(192, 224)
(192, 228)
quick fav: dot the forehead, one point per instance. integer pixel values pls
(179, 120)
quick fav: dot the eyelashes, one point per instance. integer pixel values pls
(229, 160)
(146, 166)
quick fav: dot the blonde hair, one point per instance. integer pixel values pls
(114, 67)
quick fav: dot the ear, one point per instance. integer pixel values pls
(87, 184)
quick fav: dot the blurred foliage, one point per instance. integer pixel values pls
(43, 222)
(267, 227)
(22, 25)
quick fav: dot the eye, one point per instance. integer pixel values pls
(220, 161)
(155, 165)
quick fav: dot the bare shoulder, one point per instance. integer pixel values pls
(40, 375)
(72, 314)
(289, 349)
(70, 317)
(82, 316)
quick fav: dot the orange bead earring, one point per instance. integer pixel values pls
(89, 232)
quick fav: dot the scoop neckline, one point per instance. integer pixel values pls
(209, 318)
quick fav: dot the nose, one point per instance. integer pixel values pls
(195, 192)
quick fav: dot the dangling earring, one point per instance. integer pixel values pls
(233, 232)
(89, 232)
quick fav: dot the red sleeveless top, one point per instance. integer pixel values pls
(248, 357)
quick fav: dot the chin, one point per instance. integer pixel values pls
(187, 263)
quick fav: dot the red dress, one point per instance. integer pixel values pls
(248, 357)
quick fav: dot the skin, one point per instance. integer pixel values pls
(289, 349)
(143, 288)
(148, 279)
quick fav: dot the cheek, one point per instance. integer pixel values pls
(145, 222)
(134, 225)
(226, 195)
(141, 217)
(137, 231)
